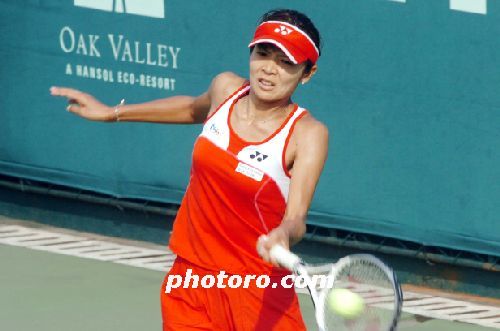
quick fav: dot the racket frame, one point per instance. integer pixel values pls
(295, 264)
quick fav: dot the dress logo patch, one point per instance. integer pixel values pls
(249, 171)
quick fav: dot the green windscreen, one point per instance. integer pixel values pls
(408, 89)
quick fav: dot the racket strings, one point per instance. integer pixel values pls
(372, 283)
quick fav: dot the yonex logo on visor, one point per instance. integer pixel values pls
(283, 30)
(294, 42)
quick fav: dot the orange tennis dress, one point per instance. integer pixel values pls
(237, 191)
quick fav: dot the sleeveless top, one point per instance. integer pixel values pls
(237, 191)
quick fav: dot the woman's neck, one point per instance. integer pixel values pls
(261, 111)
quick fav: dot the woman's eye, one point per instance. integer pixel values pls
(287, 62)
(261, 53)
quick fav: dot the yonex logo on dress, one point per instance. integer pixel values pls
(260, 157)
(283, 30)
(150, 8)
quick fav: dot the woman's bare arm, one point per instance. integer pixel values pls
(176, 109)
(310, 157)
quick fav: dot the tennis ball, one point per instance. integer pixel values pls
(345, 303)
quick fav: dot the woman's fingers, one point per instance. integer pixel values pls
(74, 108)
(61, 91)
(261, 249)
(83, 104)
(277, 236)
(69, 93)
(76, 99)
(264, 245)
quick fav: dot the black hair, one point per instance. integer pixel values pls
(299, 20)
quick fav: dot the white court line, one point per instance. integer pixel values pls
(162, 260)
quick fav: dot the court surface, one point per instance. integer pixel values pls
(86, 288)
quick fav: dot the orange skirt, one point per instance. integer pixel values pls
(241, 309)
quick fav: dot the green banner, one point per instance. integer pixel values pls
(409, 90)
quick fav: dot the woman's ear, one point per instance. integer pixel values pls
(307, 76)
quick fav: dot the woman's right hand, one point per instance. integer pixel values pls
(85, 105)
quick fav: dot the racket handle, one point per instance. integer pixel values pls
(284, 257)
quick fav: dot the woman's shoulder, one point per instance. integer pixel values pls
(309, 141)
(224, 85)
(309, 126)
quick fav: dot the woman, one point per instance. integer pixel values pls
(254, 171)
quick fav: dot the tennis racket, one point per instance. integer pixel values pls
(364, 276)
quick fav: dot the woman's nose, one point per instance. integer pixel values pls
(269, 67)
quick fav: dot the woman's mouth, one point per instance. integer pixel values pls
(265, 84)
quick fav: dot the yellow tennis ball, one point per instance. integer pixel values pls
(345, 303)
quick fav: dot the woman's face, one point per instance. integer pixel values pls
(273, 77)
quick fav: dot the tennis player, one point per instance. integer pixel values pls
(254, 170)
